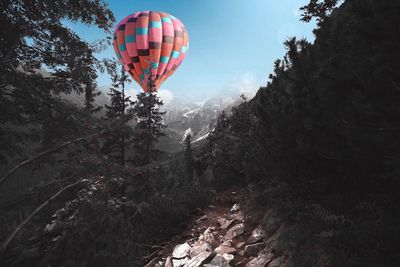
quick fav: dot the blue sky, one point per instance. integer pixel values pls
(233, 43)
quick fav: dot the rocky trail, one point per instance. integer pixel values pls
(222, 235)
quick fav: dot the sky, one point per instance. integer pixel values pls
(233, 43)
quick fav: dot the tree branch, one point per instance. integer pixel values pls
(47, 152)
(44, 204)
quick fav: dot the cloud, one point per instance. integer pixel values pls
(246, 85)
(166, 95)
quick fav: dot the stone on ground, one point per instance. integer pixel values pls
(218, 261)
(227, 224)
(223, 249)
(257, 235)
(261, 260)
(199, 259)
(181, 251)
(235, 231)
(199, 247)
(253, 249)
(168, 262)
(235, 208)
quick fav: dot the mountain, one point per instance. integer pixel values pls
(196, 119)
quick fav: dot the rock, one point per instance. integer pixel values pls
(199, 259)
(198, 248)
(241, 253)
(218, 261)
(277, 262)
(202, 218)
(227, 243)
(181, 251)
(241, 244)
(227, 224)
(261, 260)
(253, 249)
(228, 257)
(223, 249)
(211, 207)
(221, 221)
(180, 262)
(235, 231)
(257, 235)
(168, 262)
(208, 236)
(235, 208)
(239, 216)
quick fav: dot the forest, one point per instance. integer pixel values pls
(313, 158)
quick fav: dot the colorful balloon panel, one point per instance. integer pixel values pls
(151, 46)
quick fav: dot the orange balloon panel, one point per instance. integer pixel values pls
(151, 46)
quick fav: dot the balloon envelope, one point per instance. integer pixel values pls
(151, 46)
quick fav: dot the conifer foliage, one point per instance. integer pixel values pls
(149, 126)
(120, 108)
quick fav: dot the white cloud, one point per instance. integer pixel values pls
(166, 95)
(247, 85)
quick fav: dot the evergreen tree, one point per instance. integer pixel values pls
(118, 109)
(319, 9)
(149, 125)
(33, 37)
(188, 157)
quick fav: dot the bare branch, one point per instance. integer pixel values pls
(44, 204)
(47, 152)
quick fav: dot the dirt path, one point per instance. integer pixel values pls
(222, 235)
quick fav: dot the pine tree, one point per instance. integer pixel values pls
(319, 9)
(34, 37)
(188, 157)
(149, 125)
(118, 109)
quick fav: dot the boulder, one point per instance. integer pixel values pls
(227, 243)
(221, 221)
(257, 235)
(228, 257)
(180, 262)
(208, 236)
(279, 261)
(218, 261)
(235, 208)
(238, 216)
(181, 251)
(224, 249)
(168, 262)
(241, 244)
(261, 260)
(253, 249)
(199, 247)
(199, 259)
(227, 224)
(235, 231)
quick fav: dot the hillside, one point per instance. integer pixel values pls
(306, 173)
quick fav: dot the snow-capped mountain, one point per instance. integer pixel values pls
(196, 119)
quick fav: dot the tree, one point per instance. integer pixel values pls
(40, 57)
(319, 9)
(120, 109)
(188, 157)
(149, 125)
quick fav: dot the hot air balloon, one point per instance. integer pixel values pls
(151, 46)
